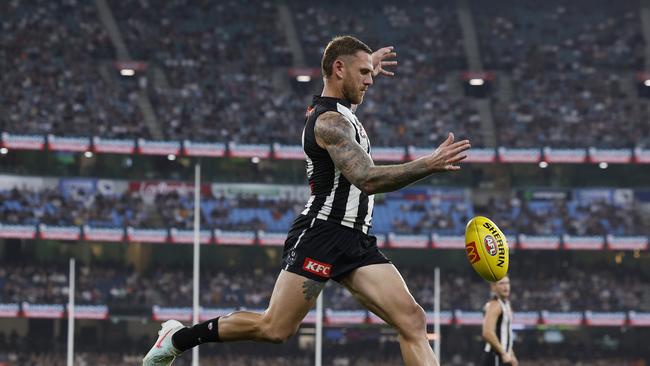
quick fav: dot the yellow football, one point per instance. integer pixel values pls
(486, 248)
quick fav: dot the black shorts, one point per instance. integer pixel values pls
(320, 250)
(491, 358)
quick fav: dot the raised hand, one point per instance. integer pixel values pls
(380, 59)
(448, 154)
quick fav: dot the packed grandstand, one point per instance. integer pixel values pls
(105, 105)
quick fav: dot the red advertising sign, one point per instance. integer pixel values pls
(59, 143)
(23, 142)
(288, 152)
(627, 242)
(552, 155)
(583, 242)
(481, 156)
(147, 147)
(388, 154)
(180, 236)
(271, 239)
(448, 241)
(114, 146)
(546, 242)
(249, 150)
(59, 232)
(234, 237)
(509, 155)
(211, 149)
(408, 241)
(610, 155)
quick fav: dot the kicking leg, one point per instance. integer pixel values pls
(381, 289)
(293, 296)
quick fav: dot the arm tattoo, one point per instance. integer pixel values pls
(311, 289)
(336, 135)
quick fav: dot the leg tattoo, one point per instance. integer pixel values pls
(311, 289)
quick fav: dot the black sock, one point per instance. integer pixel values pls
(190, 337)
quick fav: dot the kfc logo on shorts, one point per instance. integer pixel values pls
(317, 268)
(490, 245)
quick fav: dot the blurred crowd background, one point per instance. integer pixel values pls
(116, 204)
(562, 286)
(559, 74)
(216, 71)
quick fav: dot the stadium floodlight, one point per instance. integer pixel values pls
(4, 151)
(127, 72)
(603, 165)
(476, 82)
(543, 164)
(303, 78)
(88, 154)
(171, 157)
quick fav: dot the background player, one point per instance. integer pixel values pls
(497, 327)
(329, 239)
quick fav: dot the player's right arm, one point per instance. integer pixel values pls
(492, 313)
(335, 134)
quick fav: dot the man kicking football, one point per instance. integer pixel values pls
(329, 239)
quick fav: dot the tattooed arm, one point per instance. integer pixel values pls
(337, 136)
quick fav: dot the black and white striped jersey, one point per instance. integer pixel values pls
(333, 198)
(504, 327)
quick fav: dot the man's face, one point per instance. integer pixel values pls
(357, 76)
(502, 287)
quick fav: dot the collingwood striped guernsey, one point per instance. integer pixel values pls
(504, 327)
(333, 198)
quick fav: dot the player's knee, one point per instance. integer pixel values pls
(276, 334)
(414, 321)
(418, 318)
(279, 335)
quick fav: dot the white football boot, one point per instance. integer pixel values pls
(163, 352)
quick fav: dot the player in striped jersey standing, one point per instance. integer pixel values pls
(497, 327)
(329, 239)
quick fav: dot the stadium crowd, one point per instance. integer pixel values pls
(576, 109)
(568, 72)
(52, 78)
(560, 287)
(391, 213)
(427, 52)
(563, 216)
(218, 69)
(212, 76)
(560, 35)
